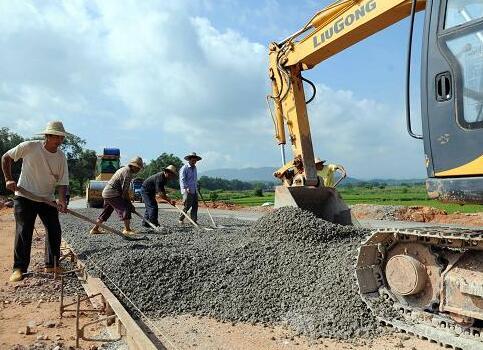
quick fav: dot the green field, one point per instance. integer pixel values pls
(391, 195)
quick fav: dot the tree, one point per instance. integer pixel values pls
(81, 162)
(158, 164)
(9, 140)
(258, 191)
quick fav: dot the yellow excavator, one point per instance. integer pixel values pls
(429, 281)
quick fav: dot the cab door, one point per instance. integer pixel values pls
(452, 88)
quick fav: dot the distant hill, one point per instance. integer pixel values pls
(265, 174)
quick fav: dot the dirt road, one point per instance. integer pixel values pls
(29, 310)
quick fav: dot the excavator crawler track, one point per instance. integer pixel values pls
(425, 314)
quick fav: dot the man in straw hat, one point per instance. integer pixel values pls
(188, 182)
(155, 184)
(44, 167)
(327, 171)
(116, 196)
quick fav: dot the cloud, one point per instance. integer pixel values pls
(160, 76)
(367, 136)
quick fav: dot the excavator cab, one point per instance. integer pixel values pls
(452, 100)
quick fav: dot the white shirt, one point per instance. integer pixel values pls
(42, 170)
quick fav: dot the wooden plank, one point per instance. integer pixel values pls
(136, 338)
(135, 334)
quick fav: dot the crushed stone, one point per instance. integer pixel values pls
(289, 267)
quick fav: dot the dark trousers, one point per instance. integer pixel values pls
(26, 212)
(190, 200)
(151, 213)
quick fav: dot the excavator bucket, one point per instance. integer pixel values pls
(323, 202)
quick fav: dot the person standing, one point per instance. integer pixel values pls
(44, 167)
(188, 183)
(152, 185)
(327, 171)
(116, 196)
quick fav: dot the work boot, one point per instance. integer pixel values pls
(95, 231)
(58, 270)
(129, 232)
(16, 275)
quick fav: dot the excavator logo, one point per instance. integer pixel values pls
(344, 22)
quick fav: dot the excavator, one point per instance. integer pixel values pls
(424, 281)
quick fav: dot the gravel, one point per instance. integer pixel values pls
(288, 267)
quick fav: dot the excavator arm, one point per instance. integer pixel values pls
(330, 31)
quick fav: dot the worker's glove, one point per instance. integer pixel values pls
(11, 185)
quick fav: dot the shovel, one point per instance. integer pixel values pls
(73, 213)
(153, 226)
(190, 220)
(208, 210)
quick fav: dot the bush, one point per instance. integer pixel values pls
(258, 192)
(213, 196)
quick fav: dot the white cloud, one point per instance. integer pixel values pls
(156, 76)
(367, 136)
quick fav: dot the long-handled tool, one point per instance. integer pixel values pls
(153, 226)
(190, 219)
(208, 210)
(73, 213)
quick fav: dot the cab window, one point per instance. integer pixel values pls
(461, 11)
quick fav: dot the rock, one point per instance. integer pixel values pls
(42, 337)
(50, 324)
(27, 330)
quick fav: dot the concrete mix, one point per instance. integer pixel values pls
(288, 267)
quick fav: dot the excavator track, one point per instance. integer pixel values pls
(432, 311)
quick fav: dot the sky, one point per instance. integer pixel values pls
(181, 76)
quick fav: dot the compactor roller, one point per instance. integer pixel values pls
(427, 282)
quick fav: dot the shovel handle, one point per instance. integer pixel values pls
(207, 209)
(186, 216)
(145, 220)
(73, 213)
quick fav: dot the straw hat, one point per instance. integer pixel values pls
(55, 128)
(317, 160)
(192, 155)
(136, 162)
(172, 169)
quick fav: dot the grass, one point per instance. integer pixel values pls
(391, 195)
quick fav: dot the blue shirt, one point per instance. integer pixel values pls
(188, 178)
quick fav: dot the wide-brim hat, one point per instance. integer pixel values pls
(172, 169)
(318, 160)
(136, 162)
(192, 155)
(55, 127)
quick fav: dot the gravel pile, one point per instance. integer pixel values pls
(289, 268)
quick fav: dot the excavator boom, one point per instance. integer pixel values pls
(426, 282)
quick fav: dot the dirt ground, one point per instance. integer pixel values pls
(416, 214)
(187, 332)
(29, 310)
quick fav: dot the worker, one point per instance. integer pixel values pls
(116, 196)
(152, 185)
(188, 182)
(44, 167)
(326, 171)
